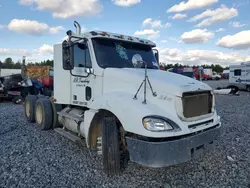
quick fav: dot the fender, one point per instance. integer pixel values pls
(130, 112)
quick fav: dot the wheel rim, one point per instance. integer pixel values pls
(39, 114)
(27, 109)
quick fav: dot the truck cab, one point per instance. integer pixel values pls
(110, 92)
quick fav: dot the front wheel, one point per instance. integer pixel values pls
(111, 146)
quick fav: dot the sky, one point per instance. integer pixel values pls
(185, 31)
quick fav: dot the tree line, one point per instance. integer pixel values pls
(215, 67)
(9, 64)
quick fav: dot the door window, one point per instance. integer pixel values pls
(82, 56)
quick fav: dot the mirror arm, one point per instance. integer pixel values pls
(158, 60)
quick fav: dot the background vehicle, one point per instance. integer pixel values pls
(207, 74)
(239, 76)
(216, 76)
(225, 74)
(199, 73)
(186, 71)
(29, 80)
(109, 90)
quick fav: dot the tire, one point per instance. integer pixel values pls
(110, 146)
(29, 108)
(248, 88)
(234, 89)
(24, 92)
(55, 108)
(43, 114)
(17, 99)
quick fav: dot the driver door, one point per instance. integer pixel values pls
(81, 80)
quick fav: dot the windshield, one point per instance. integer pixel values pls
(119, 54)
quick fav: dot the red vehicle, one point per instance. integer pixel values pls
(208, 73)
(197, 75)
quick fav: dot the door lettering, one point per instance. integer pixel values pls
(80, 80)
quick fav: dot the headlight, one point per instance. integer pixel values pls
(156, 124)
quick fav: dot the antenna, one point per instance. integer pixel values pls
(145, 86)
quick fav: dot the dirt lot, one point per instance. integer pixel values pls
(33, 158)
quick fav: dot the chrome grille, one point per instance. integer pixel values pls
(196, 103)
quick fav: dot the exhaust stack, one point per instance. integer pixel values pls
(78, 27)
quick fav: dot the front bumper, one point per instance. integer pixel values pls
(167, 153)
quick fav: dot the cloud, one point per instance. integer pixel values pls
(32, 27)
(220, 30)
(152, 34)
(155, 23)
(178, 16)
(126, 3)
(191, 4)
(238, 41)
(2, 26)
(211, 17)
(44, 50)
(66, 8)
(30, 59)
(26, 2)
(197, 36)
(196, 56)
(164, 41)
(175, 39)
(7, 51)
(236, 24)
(55, 30)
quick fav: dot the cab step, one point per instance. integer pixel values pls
(69, 135)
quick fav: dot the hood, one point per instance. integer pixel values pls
(161, 81)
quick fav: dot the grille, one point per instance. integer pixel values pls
(196, 103)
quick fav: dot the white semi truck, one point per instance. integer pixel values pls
(110, 92)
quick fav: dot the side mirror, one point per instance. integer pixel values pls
(157, 56)
(68, 55)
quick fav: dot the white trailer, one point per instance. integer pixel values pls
(239, 76)
(8, 72)
(110, 92)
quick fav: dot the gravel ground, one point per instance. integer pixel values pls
(217, 83)
(33, 158)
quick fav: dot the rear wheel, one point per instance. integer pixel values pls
(55, 108)
(29, 108)
(43, 114)
(111, 146)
